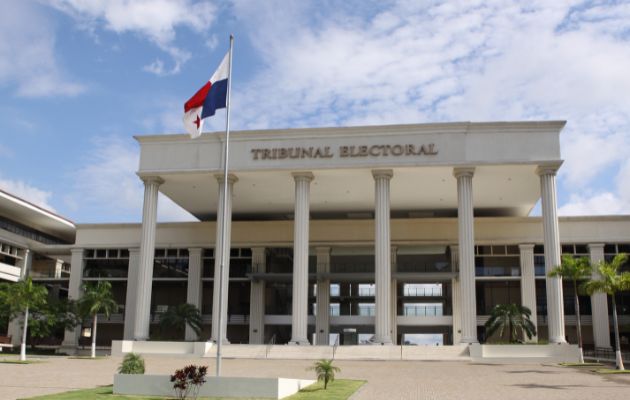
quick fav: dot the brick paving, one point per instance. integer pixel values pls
(391, 380)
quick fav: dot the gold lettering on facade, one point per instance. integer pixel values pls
(352, 151)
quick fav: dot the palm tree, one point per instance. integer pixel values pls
(611, 281)
(20, 297)
(97, 298)
(325, 371)
(575, 269)
(510, 317)
(177, 317)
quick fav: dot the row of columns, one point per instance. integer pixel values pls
(384, 321)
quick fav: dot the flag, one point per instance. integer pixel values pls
(212, 96)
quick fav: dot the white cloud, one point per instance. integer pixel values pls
(156, 20)
(27, 53)
(606, 203)
(27, 192)
(107, 187)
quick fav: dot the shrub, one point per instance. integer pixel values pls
(132, 364)
(188, 381)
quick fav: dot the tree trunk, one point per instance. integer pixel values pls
(24, 329)
(618, 358)
(578, 321)
(94, 336)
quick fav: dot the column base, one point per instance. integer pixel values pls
(225, 341)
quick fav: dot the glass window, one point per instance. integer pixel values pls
(422, 289)
(366, 309)
(367, 289)
(423, 309)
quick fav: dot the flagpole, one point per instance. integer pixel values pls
(224, 252)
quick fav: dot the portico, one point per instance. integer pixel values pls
(360, 175)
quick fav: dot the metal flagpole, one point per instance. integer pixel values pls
(224, 252)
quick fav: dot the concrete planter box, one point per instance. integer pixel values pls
(160, 385)
(524, 353)
(122, 347)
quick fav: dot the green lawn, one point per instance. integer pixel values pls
(17, 361)
(340, 389)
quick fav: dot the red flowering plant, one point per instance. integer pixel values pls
(188, 380)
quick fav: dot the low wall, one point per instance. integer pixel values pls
(160, 385)
(524, 353)
(122, 347)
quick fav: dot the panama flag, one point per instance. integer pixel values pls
(207, 100)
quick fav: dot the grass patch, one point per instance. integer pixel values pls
(586, 364)
(12, 361)
(340, 389)
(87, 358)
(606, 371)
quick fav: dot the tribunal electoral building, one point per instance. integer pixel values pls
(404, 234)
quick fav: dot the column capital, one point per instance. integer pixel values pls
(322, 250)
(548, 169)
(463, 171)
(148, 180)
(78, 251)
(382, 173)
(134, 250)
(595, 246)
(303, 176)
(195, 250)
(526, 247)
(231, 178)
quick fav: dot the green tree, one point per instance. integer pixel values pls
(54, 317)
(574, 269)
(511, 318)
(325, 371)
(19, 298)
(97, 299)
(175, 319)
(611, 281)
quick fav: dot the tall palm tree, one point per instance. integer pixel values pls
(325, 371)
(177, 317)
(97, 299)
(510, 317)
(611, 281)
(575, 269)
(22, 297)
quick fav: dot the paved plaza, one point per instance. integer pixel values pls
(385, 379)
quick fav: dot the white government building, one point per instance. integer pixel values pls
(404, 234)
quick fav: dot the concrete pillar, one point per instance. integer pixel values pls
(599, 303)
(257, 298)
(130, 296)
(147, 255)
(394, 299)
(382, 257)
(58, 268)
(232, 179)
(194, 288)
(322, 319)
(456, 296)
(465, 220)
(25, 263)
(528, 284)
(555, 309)
(299, 319)
(71, 337)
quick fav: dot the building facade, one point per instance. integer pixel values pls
(405, 234)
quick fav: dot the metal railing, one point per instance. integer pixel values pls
(335, 346)
(272, 341)
(600, 354)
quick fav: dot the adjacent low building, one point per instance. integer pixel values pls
(401, 234)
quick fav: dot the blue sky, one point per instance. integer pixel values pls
(78, 78)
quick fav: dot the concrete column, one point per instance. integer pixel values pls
(71, 337)
(147, 255)
(599, 303)
(394, 299)
(58, 268)
(25, 263)
(555, 310)
(299, 319)
(456, 296)
(232, 179)
(257, 298)
(322, 319)
(130, 297)
(382, 257)
(194, 289)
(465, 220)
(528, 284)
